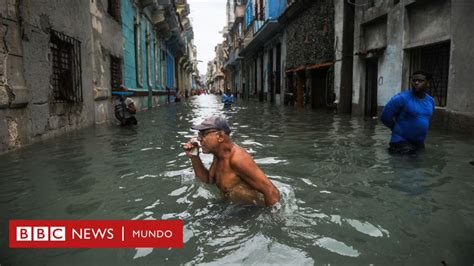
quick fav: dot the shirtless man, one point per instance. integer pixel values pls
(233, 170)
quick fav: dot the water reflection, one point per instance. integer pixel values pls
(344, 199)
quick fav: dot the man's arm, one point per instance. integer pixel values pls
(391, 111)
(201, 172)
(246, 168)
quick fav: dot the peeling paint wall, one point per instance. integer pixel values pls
(398, 27)
(382, 31)
(460, 90)
(107, 41)
(74, 20)
(27, 111)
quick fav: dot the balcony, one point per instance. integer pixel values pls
(257, 25)
(233, 58)
(261, 31)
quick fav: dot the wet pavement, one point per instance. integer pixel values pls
(345, 199)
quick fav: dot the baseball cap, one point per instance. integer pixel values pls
(213, 122)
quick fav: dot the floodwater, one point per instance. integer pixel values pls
(344, 199)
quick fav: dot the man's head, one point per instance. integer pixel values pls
(420, 81)
(213, 133)
(227, 91)
(216, 123)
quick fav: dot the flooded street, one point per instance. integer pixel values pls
(345, 200)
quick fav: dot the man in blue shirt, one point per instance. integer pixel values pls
(227, 99)
(408, 115)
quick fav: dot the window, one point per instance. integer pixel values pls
(148, 56)
(67, 77)
(113, 8)
(435, 60)
(115, 72)
(260, 10)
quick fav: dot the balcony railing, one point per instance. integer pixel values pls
(257, 25)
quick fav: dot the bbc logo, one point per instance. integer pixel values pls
(41, 233)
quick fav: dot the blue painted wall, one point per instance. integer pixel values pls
(128, 13)
(170, 70)
(274, 8)
(248, 13)
(144, 81)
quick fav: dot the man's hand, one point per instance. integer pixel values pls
(191, 148)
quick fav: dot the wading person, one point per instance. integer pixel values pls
(408, 115)
(233, 170)
(227, 99)
(125, 109)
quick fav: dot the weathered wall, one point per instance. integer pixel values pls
(73, 20)
(311, 35)
(460, 90)
(107, 41)
(375, 33)
(14, 96)
(391, 61)
(344, 54)
(338, 41)
(30, 114)
(411, 24)
(379, 32)
(428, 22)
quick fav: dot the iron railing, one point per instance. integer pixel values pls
(115, 72)
(435, 60)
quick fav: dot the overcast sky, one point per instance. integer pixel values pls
(208, 18)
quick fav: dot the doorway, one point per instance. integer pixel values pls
(371, 74)
(318, 88)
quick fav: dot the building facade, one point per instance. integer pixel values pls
(61, 62)
(392, 39)
(45, 87)
(351, 56)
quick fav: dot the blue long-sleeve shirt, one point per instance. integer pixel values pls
(227, 99)
(408, 116)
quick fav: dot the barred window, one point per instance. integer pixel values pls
(113, 8)
(67, 76)
(435, 60)
(115, 72)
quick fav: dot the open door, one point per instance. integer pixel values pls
(318, 88)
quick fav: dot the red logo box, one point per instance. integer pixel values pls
(96, 233)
